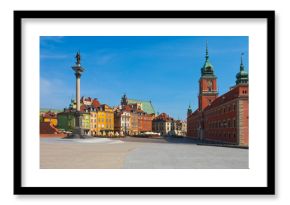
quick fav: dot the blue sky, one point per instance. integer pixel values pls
(163, 69)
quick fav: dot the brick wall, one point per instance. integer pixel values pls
(244, 122)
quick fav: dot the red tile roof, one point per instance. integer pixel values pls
(232, 94)
(96, 103)
(127, 108)
(83, 108)
(49, 114)
(164, 117)
(47, 128)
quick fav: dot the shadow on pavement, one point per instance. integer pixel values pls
(162, 139)
(179, 140)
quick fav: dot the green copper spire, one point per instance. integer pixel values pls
(242, 76)
(206, 52)
(207, 68)
(189, 110)
(242, 66)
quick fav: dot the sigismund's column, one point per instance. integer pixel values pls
(78, 72)
(78, 132)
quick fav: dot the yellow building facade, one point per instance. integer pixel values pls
(50, 117)
(101, 120)
(94, 122)
(105, 119)
(52, 121)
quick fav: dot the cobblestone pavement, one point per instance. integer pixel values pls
(185, 156)
(139, 153)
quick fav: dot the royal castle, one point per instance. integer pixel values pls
(220, 118)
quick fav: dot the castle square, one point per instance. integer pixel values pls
(138, 153)
(144, 104)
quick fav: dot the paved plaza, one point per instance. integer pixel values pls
(138, 153)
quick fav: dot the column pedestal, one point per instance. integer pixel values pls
(78, 132)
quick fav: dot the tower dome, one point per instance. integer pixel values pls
(207, 68)
(189, 110)
(242, 76)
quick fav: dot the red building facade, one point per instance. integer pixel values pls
(224, 118)
(145, 122)
(138, 120)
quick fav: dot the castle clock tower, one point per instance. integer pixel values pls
(207, 84)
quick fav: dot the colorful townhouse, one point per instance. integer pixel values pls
(66, 120)
(162, 124)
(50, 117)
(105, 119)
(143, 111)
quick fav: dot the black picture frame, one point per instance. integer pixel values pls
(268, 190)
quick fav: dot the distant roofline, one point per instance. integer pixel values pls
(223, 95)
(220, 96)
(51, 109)
(139, 100)
(147, 101)
(105, 105)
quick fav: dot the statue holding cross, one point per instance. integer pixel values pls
(78, 57)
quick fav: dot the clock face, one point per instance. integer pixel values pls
(209, 85)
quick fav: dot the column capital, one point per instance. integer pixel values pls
(78, 75)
